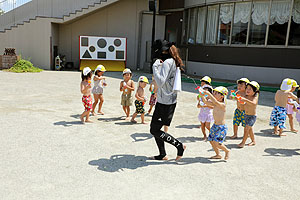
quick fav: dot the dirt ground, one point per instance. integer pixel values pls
(46, 153)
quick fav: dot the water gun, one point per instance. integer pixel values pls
(237, 96)
(145, 98)
(89, 82)
(297, 106)
(125, 86)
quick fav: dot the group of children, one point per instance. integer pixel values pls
(127, 87)
(212, 104)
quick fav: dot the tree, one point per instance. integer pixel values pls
(1, 11)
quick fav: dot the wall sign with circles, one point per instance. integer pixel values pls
(102, 48)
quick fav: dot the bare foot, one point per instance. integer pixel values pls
(158, 158)
(81, 119)
(233, 137)
(241, 145)
(179, 157)
(294, 130)
(133, 121)
(205, 139)
(281, 134)
(127, 118)
(251, 144)
(88, 121)
(216, 157)
(94, 114)
(101, 113)
(144, 123)
(227, 155)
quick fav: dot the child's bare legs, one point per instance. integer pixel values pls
(217, 156)
(245, 137)
(133, 117)
(291, 120)
(100, 104)
(235, 131)
(166, 129)
(127, 112)
(203, 130)
(85, 114)
(252, 143)
(275, 130)
(207, 126)
(280, 132)
(224, 148)
(143, 118)
(150, 109)
(87, 117)
(96, 98)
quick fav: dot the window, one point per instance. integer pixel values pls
(185, 27)
(211, 24)
(201, 25)
(279, 18)
(241, 20)
(192, 25)
(226, 14)
(259, 21)
(294, 38)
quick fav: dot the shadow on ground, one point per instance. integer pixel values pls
(139, 137)
(187, 126)
(112, 119)
(189, 139)
(118, 163)
(67, 124)
(282, 152)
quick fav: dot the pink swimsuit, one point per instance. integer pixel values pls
(206, 115)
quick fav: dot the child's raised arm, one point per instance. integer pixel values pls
(253, 102)
(214, 101)
(294, 97)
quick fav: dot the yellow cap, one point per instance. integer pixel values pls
(206, 79)
(294, 83)
(244, 80)
(255, 84)
(100, 68)
(222, 90)
(125, 71)
(143, 79)
(286, 84)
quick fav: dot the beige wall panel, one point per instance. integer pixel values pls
(31, 40)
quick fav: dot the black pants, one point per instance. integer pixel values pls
(163, 115)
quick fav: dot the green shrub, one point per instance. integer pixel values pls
(24, 66)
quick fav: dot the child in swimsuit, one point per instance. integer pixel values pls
(251, 102)
(140, 100)
(218, 131)
(126, 87)
(153, 98)
(290, 108)
(85, 88)
(99, 82)
(239, 113)
(205, 116)
(278, 115)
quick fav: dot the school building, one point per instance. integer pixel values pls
(225, 39)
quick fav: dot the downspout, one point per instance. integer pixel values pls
(138, 59)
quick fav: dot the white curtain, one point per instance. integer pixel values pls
(211, 26)
(201, 24)
(192, 23)
(242, 11)
(296, 11)
(226, 13)
(260, 12)
(280, 12)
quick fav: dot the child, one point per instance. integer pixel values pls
(206, 80)
(290, 108)
(85, 88)
(99, 82)
(206, 113)
(218, 131)
(298, 111)
(239, 113)
(153, 99)
(126, 87)
(251, 101)
(278, 115)
(140, 100)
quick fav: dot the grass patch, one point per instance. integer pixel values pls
(22, 66)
